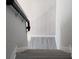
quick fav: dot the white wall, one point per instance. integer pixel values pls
(45, 18)
(42, 15)
(15, 32)
(64, 24)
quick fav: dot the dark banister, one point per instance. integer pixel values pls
(18, 9)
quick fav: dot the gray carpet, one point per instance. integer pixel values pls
(43, 54)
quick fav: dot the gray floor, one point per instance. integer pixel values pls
(43, 54)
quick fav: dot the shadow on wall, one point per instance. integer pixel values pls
(64, 24)
(66, 35)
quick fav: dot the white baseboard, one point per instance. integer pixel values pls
(67, 49)
(21, 49)
(13, 55)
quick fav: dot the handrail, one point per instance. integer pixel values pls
(18, 9)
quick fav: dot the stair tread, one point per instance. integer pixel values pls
(37, 54)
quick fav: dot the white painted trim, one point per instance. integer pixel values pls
(13, 55)
(42, 35)
(21, 49)
(66, 49)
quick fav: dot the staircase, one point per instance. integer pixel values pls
(43, 54)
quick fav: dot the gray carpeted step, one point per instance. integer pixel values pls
(43, 54)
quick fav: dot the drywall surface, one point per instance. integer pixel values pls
(16, 35)
(42, 16)
(64, 24)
